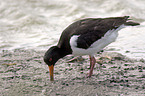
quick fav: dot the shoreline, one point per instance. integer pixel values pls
(23, 72)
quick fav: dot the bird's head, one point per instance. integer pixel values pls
(51, 57)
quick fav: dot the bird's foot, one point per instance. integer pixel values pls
(104, 58)
(76, 59)
(9, 64)
(88, 75)
(100, 60)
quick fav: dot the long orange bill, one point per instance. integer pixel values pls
(51, 68)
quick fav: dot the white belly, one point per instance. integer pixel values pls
(97, 46)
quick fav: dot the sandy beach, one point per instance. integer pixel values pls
(29, 27)
(23, 73)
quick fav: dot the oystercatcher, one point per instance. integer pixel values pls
(86, 37)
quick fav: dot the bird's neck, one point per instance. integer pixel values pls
(62, 52)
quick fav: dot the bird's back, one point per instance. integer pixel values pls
(90, 30)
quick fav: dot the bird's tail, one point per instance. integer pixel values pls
(130, 23)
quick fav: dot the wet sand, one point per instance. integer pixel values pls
(23, 73)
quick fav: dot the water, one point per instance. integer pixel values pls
(35, 24)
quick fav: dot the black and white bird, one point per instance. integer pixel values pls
(86, 37)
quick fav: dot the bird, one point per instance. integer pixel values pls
(86, 37)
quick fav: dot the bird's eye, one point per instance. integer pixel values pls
(50, 59)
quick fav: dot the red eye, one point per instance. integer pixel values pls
(50, 59)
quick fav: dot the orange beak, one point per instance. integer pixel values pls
(51, 68)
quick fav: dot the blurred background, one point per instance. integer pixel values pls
(38, 24)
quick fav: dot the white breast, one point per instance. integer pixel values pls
(97, 46)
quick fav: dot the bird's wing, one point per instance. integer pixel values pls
(93, 29)
(85, 40)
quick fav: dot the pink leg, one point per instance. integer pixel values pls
(90, 61)
(92, 64)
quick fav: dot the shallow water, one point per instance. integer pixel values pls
(35, 24)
